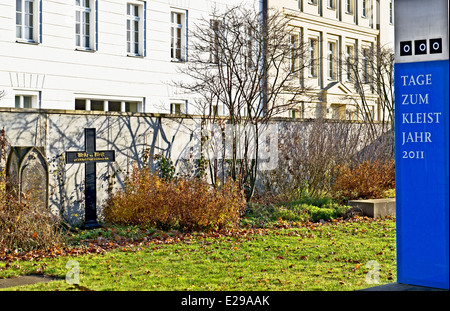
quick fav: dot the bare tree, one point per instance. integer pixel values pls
(372, 74)
(243, 61)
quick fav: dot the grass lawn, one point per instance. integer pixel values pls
(332, 256)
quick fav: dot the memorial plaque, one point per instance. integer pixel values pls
(422, 142)
(27, 171)
(34, 178)
(90, 156)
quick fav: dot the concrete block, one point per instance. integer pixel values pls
(375, 207)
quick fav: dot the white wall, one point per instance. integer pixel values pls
(57, 73)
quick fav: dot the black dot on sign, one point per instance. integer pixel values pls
(420, 47)
(405, 48)
(435, 46)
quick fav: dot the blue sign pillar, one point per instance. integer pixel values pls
(422, 142)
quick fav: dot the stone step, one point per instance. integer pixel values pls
(375, 207)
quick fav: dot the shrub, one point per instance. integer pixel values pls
(368, 180)
(292, 212)
(23, 227)
(175, 203)
(310, 212)
(327, 212)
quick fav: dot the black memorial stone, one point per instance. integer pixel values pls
(90, 156)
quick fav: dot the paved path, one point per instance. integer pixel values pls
(25, 280)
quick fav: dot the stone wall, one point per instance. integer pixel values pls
(54, 132)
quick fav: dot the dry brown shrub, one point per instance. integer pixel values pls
(23, 226)
(178, 203)
(367, 180)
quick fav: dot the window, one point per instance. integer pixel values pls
(214, 48)
(132, 106)
(27, 20)
(330, 4)
(365, 65)
(84, 24)
(114, 106)
(134, 29)
(297, 111)
(313, 49)
(332, 60)
(177, 31)
(98, 105)
(312, 1)
(293, 53)
(175, 108)
(80, 104)
(23, 101)
(250, 48)
(364, 8)
(215, 110)
(27, 99)
(338, 112)
(391, 12)
(349, 6)
(106, 105)
(348, 61)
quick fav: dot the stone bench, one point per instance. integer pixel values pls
(376, 207)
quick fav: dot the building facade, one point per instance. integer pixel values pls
(117, 55)
(99, 55)
(335, 32)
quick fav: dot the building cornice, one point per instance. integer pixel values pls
(330, 24)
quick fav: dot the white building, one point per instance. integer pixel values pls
(334, 30)
(118, 55)
(100, 55)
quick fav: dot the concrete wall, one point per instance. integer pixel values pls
(58, 131)
(129, 135)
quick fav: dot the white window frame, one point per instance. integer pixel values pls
(176, 108)
(331, 4)
(23, 14)
(313, 57)
(181, 103)
(85, 41)
(35, 98)
(349, 55)
(332, 66)
(178, 42)
(365, 66)
(294, 53)
(297, 111)
(131, 28)
(364, 8)
(106, 99)
(349, 4)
